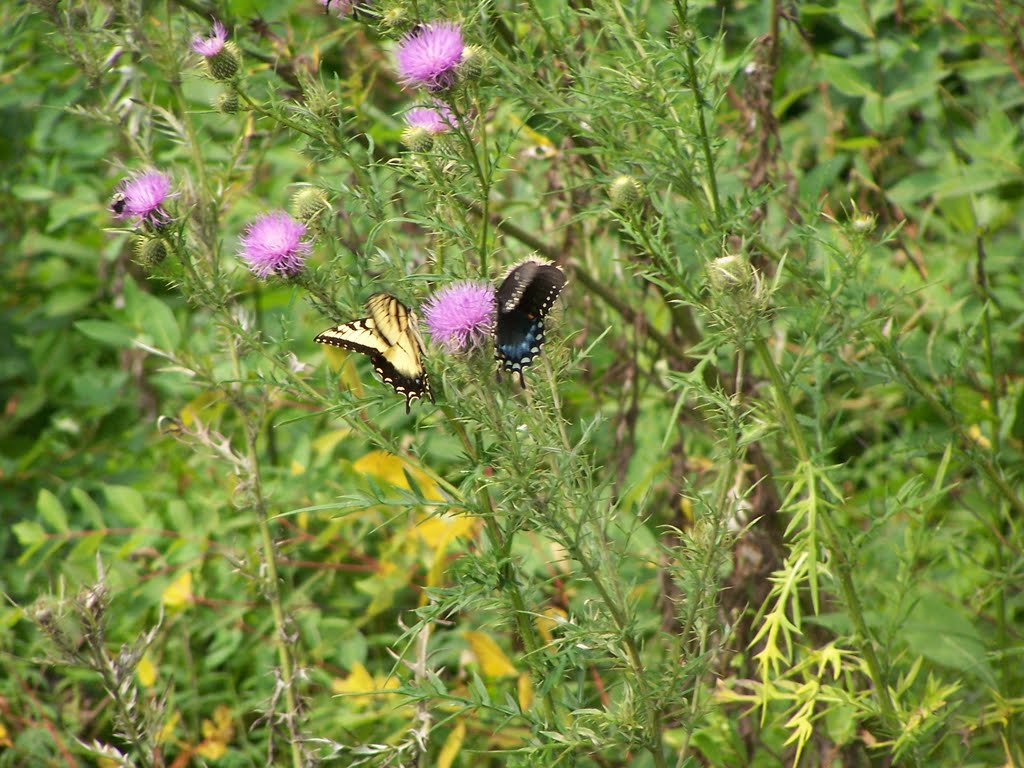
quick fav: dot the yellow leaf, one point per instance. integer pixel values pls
(388, 468)
(524, 688)
(326, 443)
(179, 592)
(452, 746)
(341, 361)
(548, 620)
(361, 687)
(5, 740)
(217, 732)
(438, 530)
(493, 661)
(212, 750)
(167, 729)
(296, 468)
(146, 671)
(201, 403)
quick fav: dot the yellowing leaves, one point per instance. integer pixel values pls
(344, 363)
(388, 468)
(146, 671)
(179, 592)
(217, 732)
(547, 621)
(438, 530)
(452, 746)
(362, 688)
(524, 691)
(492, 660)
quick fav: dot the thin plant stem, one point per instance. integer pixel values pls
(271, 583)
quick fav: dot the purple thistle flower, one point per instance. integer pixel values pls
(430, 55)
(436, 119)
(141, 197)
(273, 243)
(212, 45)
(461, 315)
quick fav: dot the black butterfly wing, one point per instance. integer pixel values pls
(524, 299)
(390, 339)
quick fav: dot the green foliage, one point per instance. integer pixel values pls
(759, 504)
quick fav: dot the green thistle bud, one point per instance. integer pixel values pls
(730, 274)
(308, 203)
(395, 18)
(417, 139)
(625, 193)
(150, 251)
(473, 64)
(225, 64)
(863, 223)
(227, 103)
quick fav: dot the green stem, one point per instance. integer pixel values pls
(700, 106)
(272, 580)
(525, 628)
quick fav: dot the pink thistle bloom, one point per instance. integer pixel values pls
(461, 315)
(431, 119)
(273, 243)
(430, 55)
(212, 45)
(141, 197)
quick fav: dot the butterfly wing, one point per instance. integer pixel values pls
(389, 337)
(524, 299)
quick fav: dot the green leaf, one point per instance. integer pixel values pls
(152, 316)
(106, 332)
(127, 503)
(52, 511)
(844, 77)
(29, 533)
(89, 508)
(943, 635)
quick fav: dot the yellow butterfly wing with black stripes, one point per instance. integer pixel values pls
(391, 339)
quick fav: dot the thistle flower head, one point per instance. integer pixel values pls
(222, 58)
(460, 316)
(437, 119)
(273, 243)
(431, 55)
(141, 197)
(212, 45)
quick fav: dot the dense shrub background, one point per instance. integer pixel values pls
(760, 504)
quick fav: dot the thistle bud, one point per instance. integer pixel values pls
(308, 203)
(395, 18)
(863, 223)
(730, 274)
(227, 103)
(150, 251)
(473, 63)
(625, 193)
(417, 138)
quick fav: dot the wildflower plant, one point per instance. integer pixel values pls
(757, 502)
